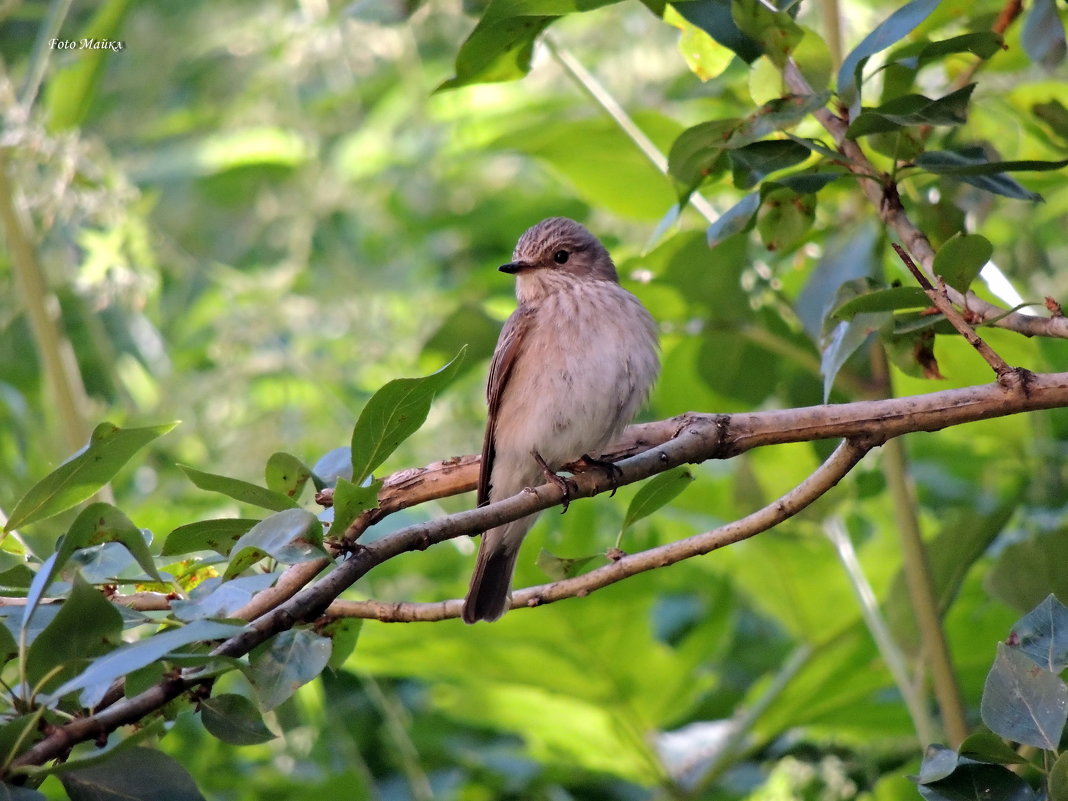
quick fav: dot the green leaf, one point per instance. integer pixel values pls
(972, 165)
(393, 414)
(16, 735)
(1022, 703)
(705, 57)
(86, 626)
(907, 110)
(1041, 559)
(239, 490)
(71, 88)
(1058, 778)
(785, 217)
(892, 30)
(961, 258)
(938, 763)
(344, 632)
(698, 152)
(350, 502)
(79, 478)
(983, 44)
(333, 465)
(775, 31)
(286, 474)
(208, 535)
(655, 493)
(559, 568)
(714, 17)
(985, 746)
(501, 45)
(753, 162)
(880, 300)
(1042, 634)
(132, 774)
(94, 681)
(844, 341)
(290, 536)
(234, 719)
(287, 662)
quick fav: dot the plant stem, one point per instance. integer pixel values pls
(42, 309)
(912, 694)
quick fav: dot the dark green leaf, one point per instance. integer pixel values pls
(1055, 115)
(656, 493)
(343, 632)
(909, 110)
(1022, 703)
(775, 31)
(393, 414)
(290, 536)
(753, 162)
(286, 474)
(714, 18)
(1042, 634)
(881, 300)
(288, 661)
(978, 782)
(13, 792)
(698, 153)
(559, 568)
(99, 523)
(497, 50)
(350, 502)
(218, 598)
(132, 774)
(735, 220)
(209, 535)
(961, 258)
(983, 44)
(1043, 34)
(807, 182)
(86, 626)
(774, 116)
(974, 161)
(79, 478)
(94, 681)
(985, 746)
(239, 490)
(892, 30)
(234, 719)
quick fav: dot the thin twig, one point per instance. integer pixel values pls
(1000, 367)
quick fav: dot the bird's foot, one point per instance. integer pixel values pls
(566, 485)
(586, 462)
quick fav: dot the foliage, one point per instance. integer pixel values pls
(253, 216)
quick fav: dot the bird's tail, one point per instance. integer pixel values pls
(488, 596)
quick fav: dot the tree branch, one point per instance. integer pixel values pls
(884, 198)
(658, 446)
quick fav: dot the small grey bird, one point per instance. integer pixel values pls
(573, 364)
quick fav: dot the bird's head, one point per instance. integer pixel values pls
(554, 254)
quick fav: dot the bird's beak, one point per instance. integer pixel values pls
(513, 267)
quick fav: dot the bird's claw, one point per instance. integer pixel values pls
(566, 485)
(586, 462)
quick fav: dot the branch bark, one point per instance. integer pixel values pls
(658, 446)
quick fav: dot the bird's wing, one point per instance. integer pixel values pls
(509, 347)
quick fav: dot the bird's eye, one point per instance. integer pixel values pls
(561, 256)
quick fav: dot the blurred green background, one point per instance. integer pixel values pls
(257, 213)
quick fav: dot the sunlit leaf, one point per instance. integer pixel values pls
(393, 414)
(960, 259)
(286, 474)
(714, 18)
(77, 479)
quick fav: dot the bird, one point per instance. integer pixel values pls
(573, 364)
